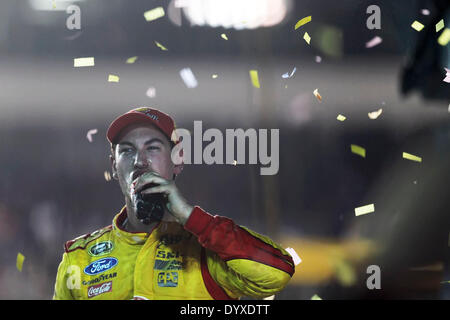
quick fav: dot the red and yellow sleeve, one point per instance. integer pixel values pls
(236, 261)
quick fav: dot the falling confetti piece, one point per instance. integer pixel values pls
(440, 25)
(444, 38)
(318, 59)
(19, 261)
(411, 157)
(358, 150)
(159, 45)
(132, 60)
(364, 209)
(107, 176)
(294, 256)
(90, 133)
(316, 297)
(345, 273)
(214, 76)
(270, 298)
(224, 36)
(234, 162)
(415, 181)
(445, 281)
(447, 76)
(307, 38)
(302, 22)
(340, 117)
(151, 92)
(188, 78)
(254, 78)
(154, 14)
(425, 12)
(375, 114)
(286, 75)
(374, 42)
(83, 62)
(416, 25)
(113, 78)
(317, 95)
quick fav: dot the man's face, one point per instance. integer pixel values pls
(142, 148)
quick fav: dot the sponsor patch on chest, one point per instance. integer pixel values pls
(98, 289)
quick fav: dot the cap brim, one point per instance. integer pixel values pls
(125, 120)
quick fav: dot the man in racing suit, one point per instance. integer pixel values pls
(188, 254)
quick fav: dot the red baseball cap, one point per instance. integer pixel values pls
(161, 120)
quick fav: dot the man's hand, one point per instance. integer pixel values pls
(176, 204)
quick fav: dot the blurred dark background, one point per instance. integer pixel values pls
(53, 184)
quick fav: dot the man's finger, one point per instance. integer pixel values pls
(158, 189)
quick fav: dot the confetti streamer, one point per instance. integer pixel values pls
(358, 150)
(416, 25)
(224, 36)
(19, 261)
(151, 92)
(90, 133)
(302, 22)
(113, 78)
(132, 60)
(154, 14)
(444, 38)
(254, 78)
(294, 256)
(374, 42)
(214, 76)
(317, 95)
(447, 76)
(340, 117)
(159, 45)
(375, 114)
(188, 78)
(83, 62)
(425, 12)
(440, 25)
(286, 75)
(411, 157)
(364, 209)
(316, 297)
(307, 38)
(107, 176)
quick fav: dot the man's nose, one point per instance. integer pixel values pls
(141, 160)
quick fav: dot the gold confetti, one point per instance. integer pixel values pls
(316, 297)
(161, 46)
(317, 95)
(358, 150)
(19, 261)
(224, 36)
(214, 76)
(375, 114)
(340, 117)
(307, 38)
(416, 25)
(113, 78)
(444, 38)
(364, 209)
(107, 176)
(302, 22)
(154, 14)
(254, 78)
(440, 25)
(83, 62)
(132, 59)
(411, 157)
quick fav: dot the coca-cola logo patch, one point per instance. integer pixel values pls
(98, 289)
(101, 265)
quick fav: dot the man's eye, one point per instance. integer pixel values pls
(125, 150)
(153, 148)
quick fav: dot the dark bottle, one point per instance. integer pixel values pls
(149, 207)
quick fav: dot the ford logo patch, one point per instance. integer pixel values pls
(100, 266)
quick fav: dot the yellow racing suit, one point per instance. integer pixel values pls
(211, 257)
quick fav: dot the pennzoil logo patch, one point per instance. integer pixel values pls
(101, 248)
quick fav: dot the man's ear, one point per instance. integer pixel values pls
(177, 169)
(113, 167)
